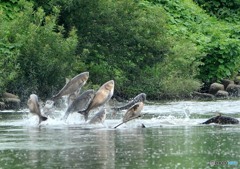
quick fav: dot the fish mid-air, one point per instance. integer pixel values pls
(98, 117)
(80, 103)
(139, 98)
(102, 96)
(73, 85)
(219, 119)
(132, 113)
(34, 107)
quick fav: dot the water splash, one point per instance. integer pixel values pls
(185, 113)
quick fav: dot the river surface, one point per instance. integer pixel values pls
(173, 138)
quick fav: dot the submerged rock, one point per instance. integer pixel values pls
(221, 120)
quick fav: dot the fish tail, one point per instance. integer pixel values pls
(66, 115)
(84, 113)
(86, 116)
(43, 118)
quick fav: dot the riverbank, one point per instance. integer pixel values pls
(227, 90)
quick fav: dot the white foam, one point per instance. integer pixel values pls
(168, 114)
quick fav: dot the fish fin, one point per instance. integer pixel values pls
(135, 107)
(119, 125)
(43, 118)
(82, 112)
(67, 80)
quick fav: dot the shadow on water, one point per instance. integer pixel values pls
(174, 138)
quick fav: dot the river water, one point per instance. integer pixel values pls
(173, 138)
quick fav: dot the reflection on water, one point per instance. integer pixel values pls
(173, 139)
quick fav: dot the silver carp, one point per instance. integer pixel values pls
(73, 85)
(102, 96)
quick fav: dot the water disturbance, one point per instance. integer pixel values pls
(173, 138)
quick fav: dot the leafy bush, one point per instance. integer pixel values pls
(8, 51)
(9, 9)
(135, 43)
(217, 40)
(42, 57)
(124, 40)
(222, 59)
(222, 9)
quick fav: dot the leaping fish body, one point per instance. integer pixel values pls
(80, 103)
(133, 111)
(139, 98)
(99, 117)
(34, 107)
(102, 96)
(73, 85)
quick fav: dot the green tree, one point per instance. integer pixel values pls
(40, 56)
(217, 40)
(127, 41)
(8, 50)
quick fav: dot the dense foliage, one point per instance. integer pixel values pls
(128, 41)
(34, 53)
(160, 47)
(222, 9)
(217, 40)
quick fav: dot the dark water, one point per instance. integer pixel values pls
(173, 138)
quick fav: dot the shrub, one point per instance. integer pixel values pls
(217, 40)
(42, 55)
(222, 9)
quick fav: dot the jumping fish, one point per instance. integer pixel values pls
(73, 85)
(99, 117)
(102, 96)
(132, 113)
(139, 98)
(34, 107)
(80, 103)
